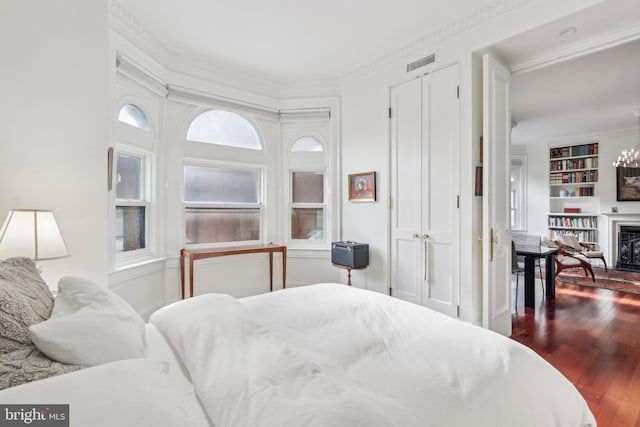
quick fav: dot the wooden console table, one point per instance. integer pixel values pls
(196, 254)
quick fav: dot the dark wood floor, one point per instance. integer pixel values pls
(592, 336)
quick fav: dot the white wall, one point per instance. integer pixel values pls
(537, 206)
(610, 147)
(365, 136)
(53, 131)
(57, 69)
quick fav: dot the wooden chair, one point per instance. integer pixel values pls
(565, 260)
(570, 243)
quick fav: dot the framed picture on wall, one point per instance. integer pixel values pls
(362, 187)
(628, 184)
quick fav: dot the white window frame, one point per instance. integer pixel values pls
(128, 257)
(519, 171)
(308, 243)
(261, 205)
(308, 161)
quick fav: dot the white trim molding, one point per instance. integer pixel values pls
(615, 221)
(585, 47)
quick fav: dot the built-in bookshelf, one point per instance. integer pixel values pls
(583, 226)
(573, 191)
(573, 171)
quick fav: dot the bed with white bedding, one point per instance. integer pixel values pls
(320, 355)
(329, 354)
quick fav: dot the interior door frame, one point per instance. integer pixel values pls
(496, 223)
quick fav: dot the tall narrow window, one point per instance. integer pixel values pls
(222, 204)
(307, 193)
(518, 193)
(131, 202)
(307, 205)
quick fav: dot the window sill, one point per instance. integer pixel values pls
(131, 270)
(136, 263)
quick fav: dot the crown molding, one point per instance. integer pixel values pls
(459, 26)
(135, 32)
(585, 47)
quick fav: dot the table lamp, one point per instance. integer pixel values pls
(31, 233)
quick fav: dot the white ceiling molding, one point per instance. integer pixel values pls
(128, 67)
(121, 21)
(448, 31)
(586, 47)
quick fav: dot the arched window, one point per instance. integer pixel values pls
(134, 116)
(224, 128)
(306, 143)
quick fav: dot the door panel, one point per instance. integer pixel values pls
(425, 187)
(441, 187)
(407, 283)
(406, 137)
(496, 203)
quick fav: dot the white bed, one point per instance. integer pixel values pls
(320, 355)
(329, 354)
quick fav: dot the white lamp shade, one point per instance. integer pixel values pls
(31, 233)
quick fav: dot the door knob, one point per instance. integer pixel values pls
(415, 235)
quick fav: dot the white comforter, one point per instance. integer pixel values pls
(332, 355)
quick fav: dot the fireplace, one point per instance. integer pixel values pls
(629, 248)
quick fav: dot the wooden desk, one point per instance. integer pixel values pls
(531, 253)
(196, 254)
(344, 267)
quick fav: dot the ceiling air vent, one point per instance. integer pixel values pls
(421, 62)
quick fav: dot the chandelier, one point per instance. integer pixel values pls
(630, 158)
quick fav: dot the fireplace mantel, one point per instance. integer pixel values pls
(615, 220)
(621, 215)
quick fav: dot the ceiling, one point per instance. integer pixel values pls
(596, 91)
(293, 41)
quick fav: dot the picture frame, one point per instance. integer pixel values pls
(627, 184)
(362, 187)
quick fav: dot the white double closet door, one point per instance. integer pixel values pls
(425, 189)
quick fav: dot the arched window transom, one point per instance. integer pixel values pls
(306, 144)
(134, 116)
(224, 128)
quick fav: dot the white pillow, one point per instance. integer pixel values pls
(89, 325)
(570, 240)
(126, 393)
